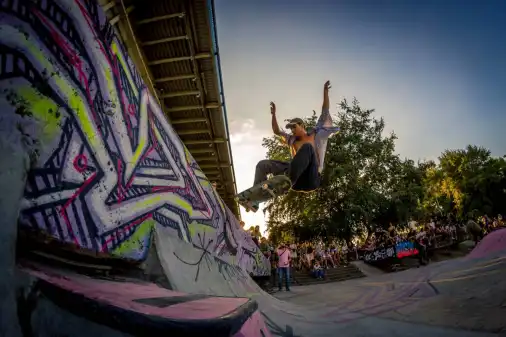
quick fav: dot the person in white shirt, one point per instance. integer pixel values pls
(421, 244)
(432, 224)
(412, 225)
(295, 260)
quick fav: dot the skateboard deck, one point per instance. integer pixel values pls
(251, 198)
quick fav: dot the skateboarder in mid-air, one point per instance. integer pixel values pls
(307, 148)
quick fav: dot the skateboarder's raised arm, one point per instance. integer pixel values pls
(274, 121)
(288, 139)
(326, 101)
(325, 119)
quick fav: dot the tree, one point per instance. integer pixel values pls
(466, 182)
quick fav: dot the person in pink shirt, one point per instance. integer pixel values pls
(285, 257)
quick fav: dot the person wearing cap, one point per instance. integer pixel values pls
(307, 148)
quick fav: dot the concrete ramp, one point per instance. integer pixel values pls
(493, 244)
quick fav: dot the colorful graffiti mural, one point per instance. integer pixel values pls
(107, 167)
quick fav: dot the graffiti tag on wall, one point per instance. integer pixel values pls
(107, 167)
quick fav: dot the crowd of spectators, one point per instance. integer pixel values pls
(316, 257)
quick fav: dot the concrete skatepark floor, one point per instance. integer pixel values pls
(467, 300)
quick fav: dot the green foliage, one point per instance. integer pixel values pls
(366, 185)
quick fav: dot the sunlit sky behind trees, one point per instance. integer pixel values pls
(435, 70)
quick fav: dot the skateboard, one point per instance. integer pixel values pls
(251, 198)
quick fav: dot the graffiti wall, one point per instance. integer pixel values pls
(106, 167)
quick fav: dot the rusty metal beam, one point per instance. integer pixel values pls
(164, 40)
(160, 18)
(180, 93)
(175, 78)
(108, 5)
(192, 132)
(206, 158)
(195, 142)
(193, 107)
(188, 120)
(214, 165)
(116, 19)
(179, 59)
(196, 151)
(226, 183)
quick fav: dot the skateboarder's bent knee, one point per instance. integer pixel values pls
(267, 166)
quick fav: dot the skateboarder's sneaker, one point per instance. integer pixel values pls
(251, 198)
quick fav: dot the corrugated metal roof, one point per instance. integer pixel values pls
(175, 38)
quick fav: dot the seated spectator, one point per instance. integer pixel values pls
(336, 257)
(327, 259)
(318, 272)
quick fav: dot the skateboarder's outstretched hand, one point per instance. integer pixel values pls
(273, 108)
(327, 85)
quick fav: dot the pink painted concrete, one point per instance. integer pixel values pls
(492, 243)
(253, 326)
(123, 294)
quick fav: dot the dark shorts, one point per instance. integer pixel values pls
(310, 178)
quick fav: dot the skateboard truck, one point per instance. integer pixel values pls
(266, 188)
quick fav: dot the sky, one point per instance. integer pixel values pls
(435, 70)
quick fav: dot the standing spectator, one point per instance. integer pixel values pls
(255, 234)
(500, 222)
(344, 254)
(295, 256)
(273, 259)
(309, 257)
(421, 243)
(264, 245)
(475, 230)
(284, 266)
